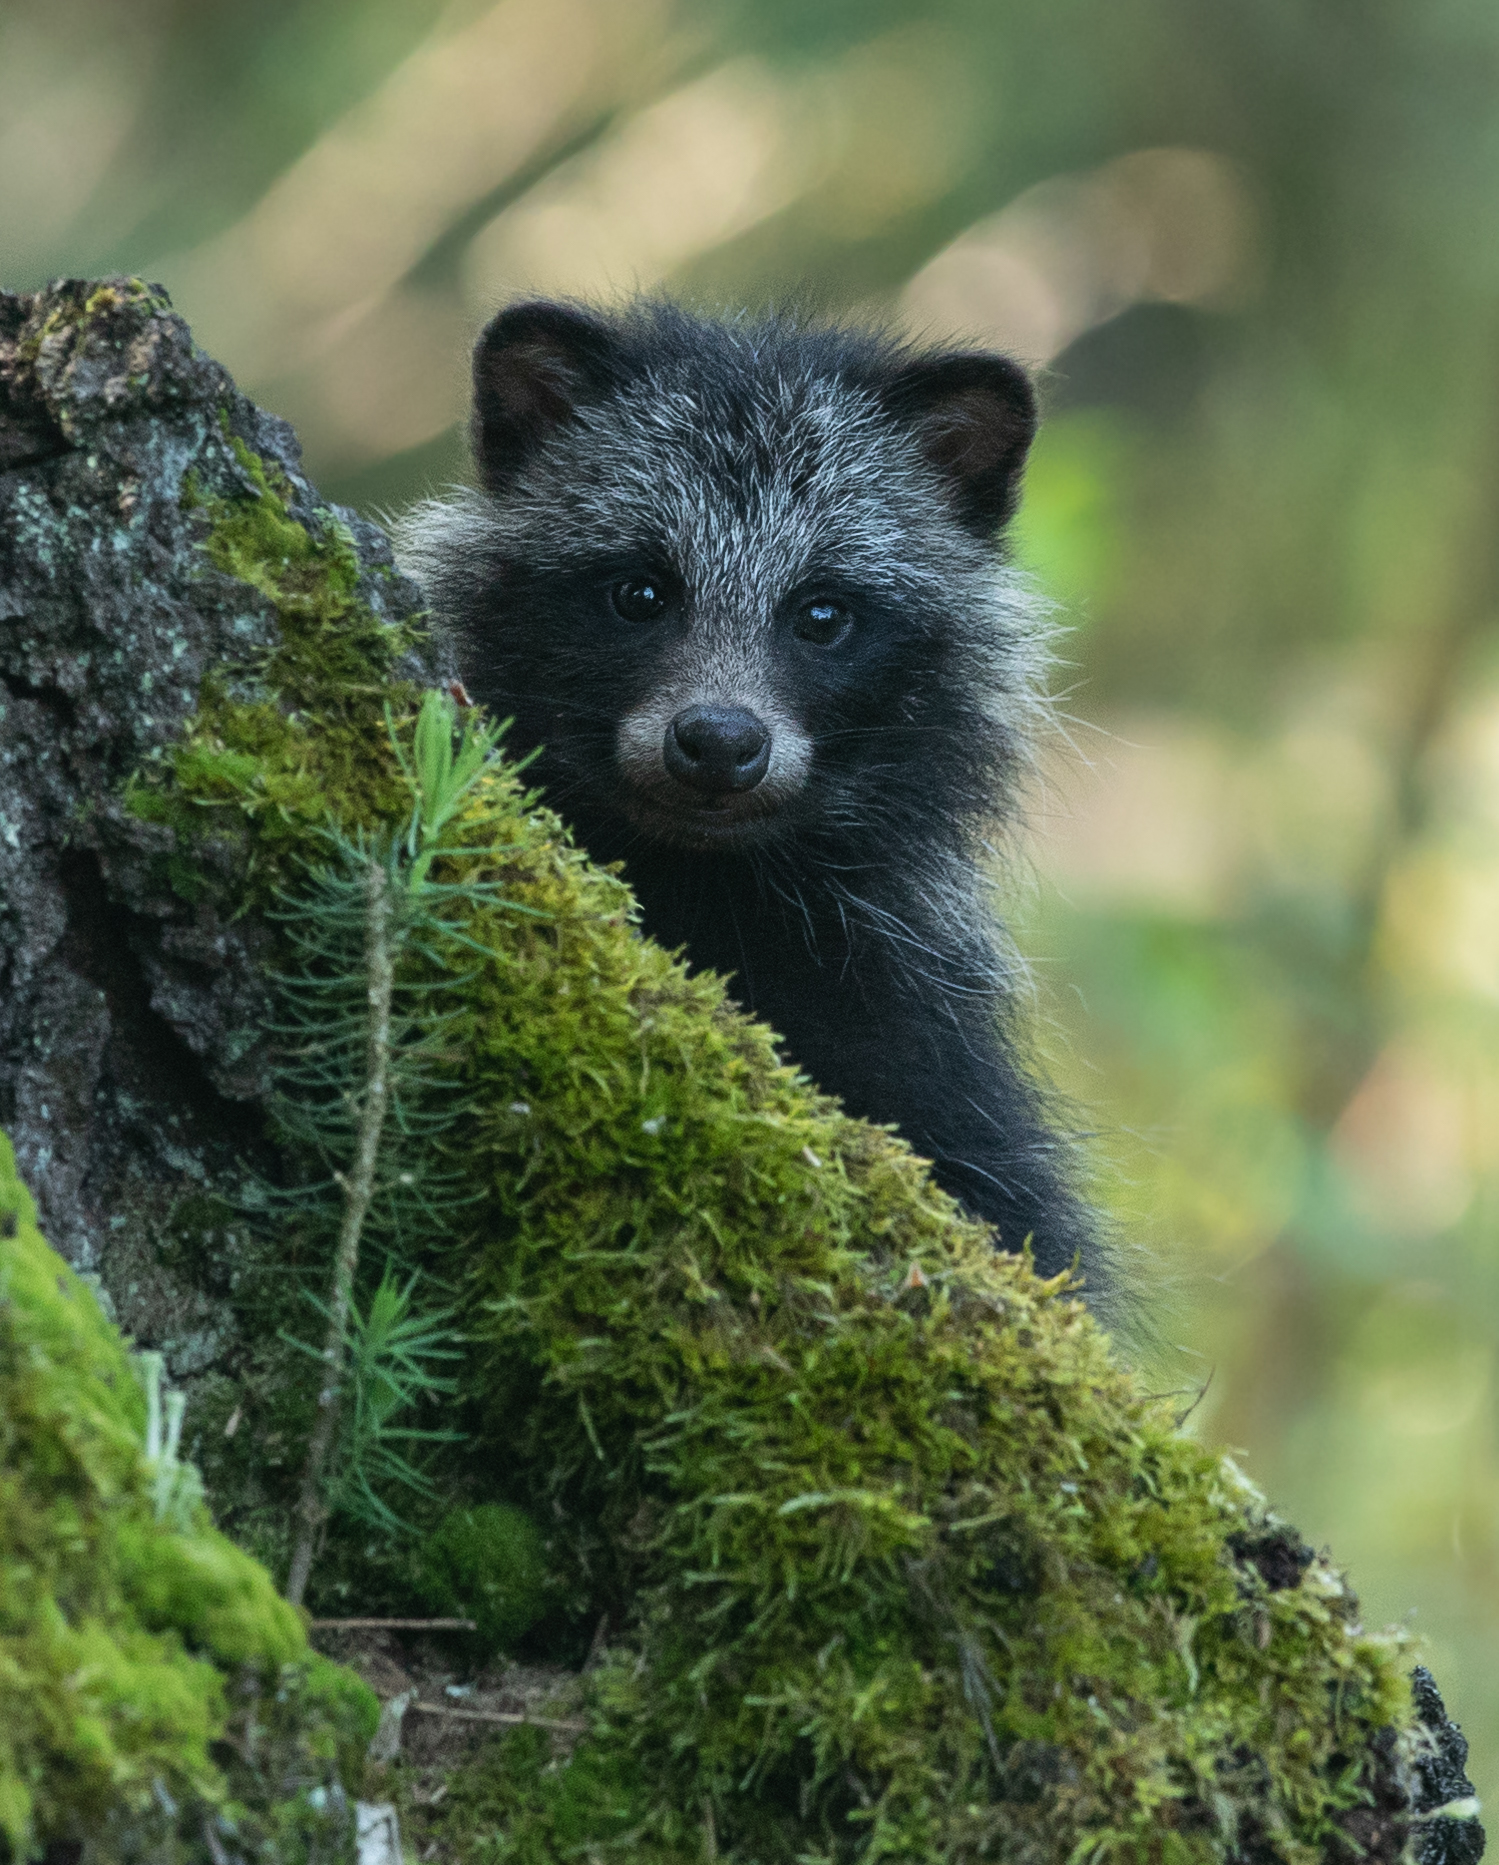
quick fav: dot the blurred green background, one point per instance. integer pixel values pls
(1255, 250)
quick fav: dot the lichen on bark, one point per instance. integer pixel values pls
(895, 1559)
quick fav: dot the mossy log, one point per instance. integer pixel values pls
(895, 1559)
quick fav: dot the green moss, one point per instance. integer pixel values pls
(909, 1565)
(516, 1799)
(282, 744)
(121, 294)
(79, 302)
(131, 1649)
(490, 1565)
(333, 648)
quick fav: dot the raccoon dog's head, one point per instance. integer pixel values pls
(738, 580)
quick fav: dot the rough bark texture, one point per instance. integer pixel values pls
(130, 1047)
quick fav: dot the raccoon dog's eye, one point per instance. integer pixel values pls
(640, 599)
(822, 622)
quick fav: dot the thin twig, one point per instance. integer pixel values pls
(392, 1625)
(501, 1716)
(358, 1190)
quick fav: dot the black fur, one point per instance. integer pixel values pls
(793, 526)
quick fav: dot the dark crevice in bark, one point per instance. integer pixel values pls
(30, 449)
(51, 698)
(146, 1056)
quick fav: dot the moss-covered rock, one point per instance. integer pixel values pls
(157, 1697)
(886, 1555)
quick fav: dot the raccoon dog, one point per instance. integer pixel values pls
(739, 583)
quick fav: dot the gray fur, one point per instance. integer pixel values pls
(848, 892)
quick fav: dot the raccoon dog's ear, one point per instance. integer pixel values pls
(535, 365)
(974, 417)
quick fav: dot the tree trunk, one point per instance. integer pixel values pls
(131, 1044)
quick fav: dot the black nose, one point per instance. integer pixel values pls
(717, 748)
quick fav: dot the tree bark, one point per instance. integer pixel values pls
(131, 1045)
